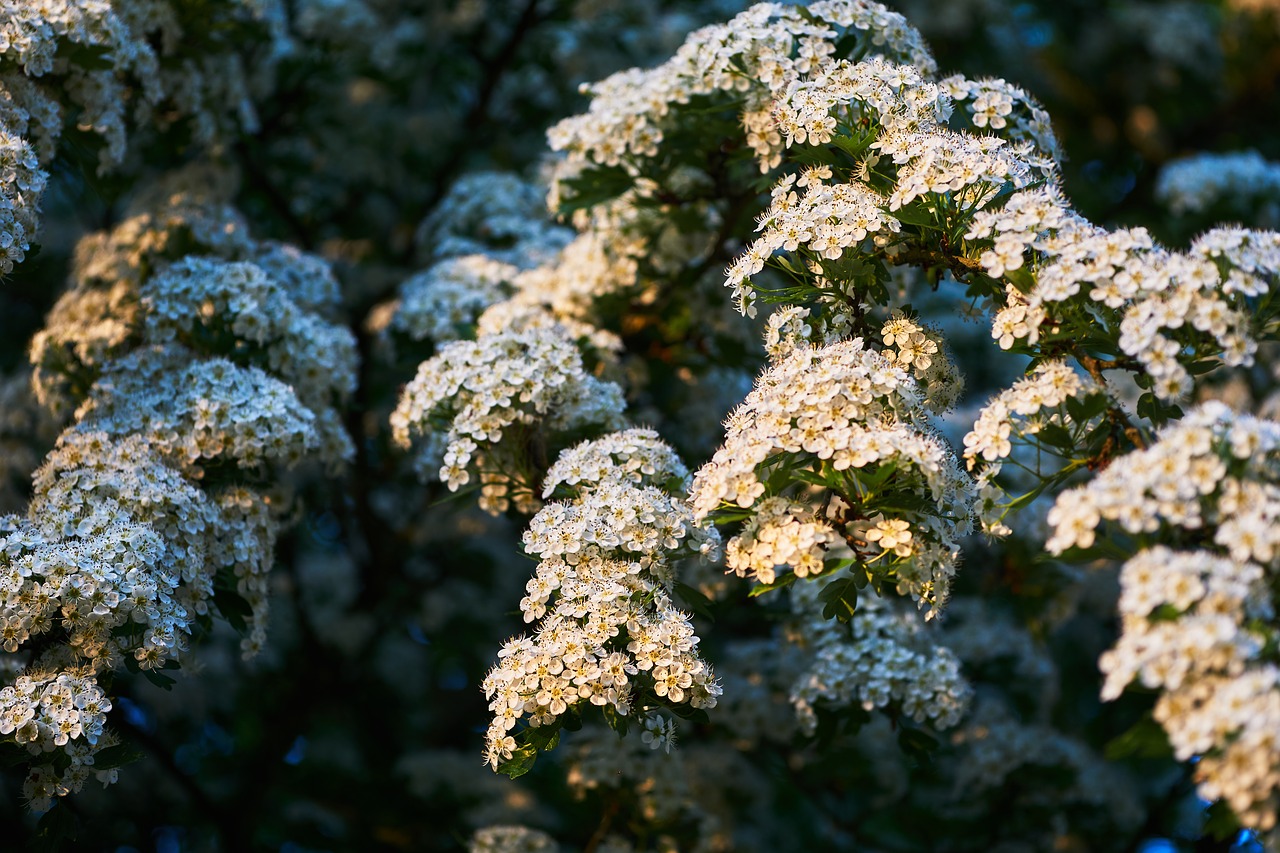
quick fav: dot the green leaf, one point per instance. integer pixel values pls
(841, 599)
(55, 829)
(917, 213)
(595, 186)
(760, 589)
(1055, 435)
(116, 756)
(917, 743)
(695, 600)
(1144, 739)
(520, 763)
(1220, 822)
(160, 680)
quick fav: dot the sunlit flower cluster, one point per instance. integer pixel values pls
(470, 394)
(608, 631)
(841, 412)
(754, 56)
(1195, 623)
(1159, 305)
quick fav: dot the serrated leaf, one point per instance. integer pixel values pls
(841, 597)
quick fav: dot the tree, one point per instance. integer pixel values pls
(981, 541)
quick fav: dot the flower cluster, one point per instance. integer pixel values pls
(1017, 411)
(443, 302)
(922, 352)
(753, 57)
(882, 657)
(826, 220)
(1210, 471)
(781, 533)
(1195, 623)
(194, 412)
(1195, 184)
(467, 396)
(608, 631)
(1165, 309)
(998, 106)
(98, 58)
(638, 456)
(239, 309)
(196, 381)
(846, 416)
(495, 214)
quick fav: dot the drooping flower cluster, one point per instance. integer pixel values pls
(846, 417)
(608, 631)
(882, 657)
(471, 393)
(1196, 623)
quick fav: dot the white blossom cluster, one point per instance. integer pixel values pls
(1212, 471)
(511, 839)
(1195, 184)
(1194, 623)
(470, 393)
(967, 168)
(1047, 386)
(781, 533)
(22, 183)
(607, 627)
(882, 657)
(1157, 303)
(898, 98)
(1188, 632)
(754, 56)
(826, 220)
(99, 316)
(637, 456)
(100, 58)
(839, 410)
(57, 706)
(921, 350)
(152, 510)
(194, 412)
(1007, 110)
(443, 302)
(239, 309)
(792, 326)
(496, 214)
